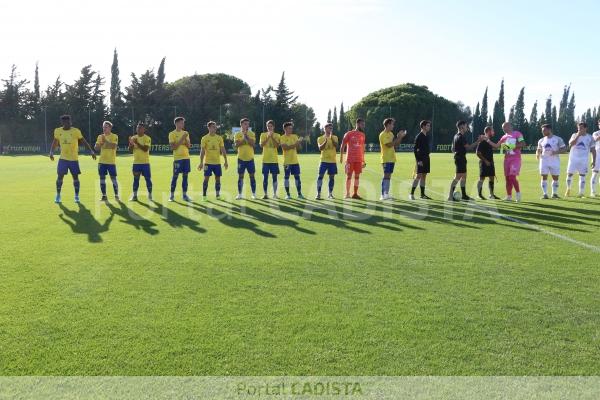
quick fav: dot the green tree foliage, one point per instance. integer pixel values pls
(410, 104)
(519, 120)
(343, 121)
(499, 117)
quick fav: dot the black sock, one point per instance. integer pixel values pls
(463, 190)
(491, 184)
(422, 190)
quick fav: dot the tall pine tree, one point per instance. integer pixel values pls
(499, 115)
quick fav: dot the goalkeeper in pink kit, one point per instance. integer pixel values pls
(511, 144)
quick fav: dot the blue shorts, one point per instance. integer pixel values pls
(291, 169)
(270, 168)
(388, 167)
(66, 166)
(142, 169)
(329, 168)
(181, 166)
(210, 169)
(246, 166)
(110, 169)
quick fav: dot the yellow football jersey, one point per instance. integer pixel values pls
(270, 153)
(140, 156)
(329, 152)
(290, 156)
(212, 145)
(182, 152)
(245, 151)
(68, 139)
(107, 156)
(388, 154)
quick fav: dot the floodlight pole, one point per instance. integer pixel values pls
(44, 108)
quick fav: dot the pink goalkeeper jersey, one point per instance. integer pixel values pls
(356, 146)
(512, 139)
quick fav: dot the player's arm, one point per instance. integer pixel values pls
(594, 155)
(264, 140)
(131, 144)
(323, 144)
(520, 144)
(482, 158)
(202, 154)
(90, 148)
(250, 140)
(298, 144)
(396, 142)
(573, 140)
(538, 152)
(475, 143)
(175, 144)
(224, 154)
(342, 148)
(495, 146)
(53, 146)
(143, 147)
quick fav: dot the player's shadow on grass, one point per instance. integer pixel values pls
(132, 218)
(542, 218)
(83, 222)
(226, 217)
(270, 219)
(174, 219)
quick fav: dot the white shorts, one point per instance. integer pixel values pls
(549, 167)
(577, 166)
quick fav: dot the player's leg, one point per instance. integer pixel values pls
(349, 174)
(582, 182)
(174, 180)
(296, 172)
(463, 187)
(569, 182)
(594, 180)
(265, 182)
(357, 172)
(251, 173)
(275, 174)
(102, 171)
(205, 181)
(480, 186)
(320, 175)
(184, 186)
(544, 185)
(385, 185)
(331, 182)
(136, 184)
(59, 182)
(112, 170)
(453, 183)
(555, 180)
(415, 184)
(240, 183)
(286, 181)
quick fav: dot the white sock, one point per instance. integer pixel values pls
(555, 187)
(569, 182)
(545, 187)
(581, 184)
(594, 181)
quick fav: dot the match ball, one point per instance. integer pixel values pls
(457, 196)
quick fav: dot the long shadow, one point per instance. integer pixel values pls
(174, 219)
(132, 218)
(83, 222)
(228, 219)
(271, 219)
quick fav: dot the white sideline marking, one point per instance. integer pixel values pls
(499, 215)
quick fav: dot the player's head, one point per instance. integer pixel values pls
(360, 124)
(65, 121)
(288, 128)
(425, 126)
(546, 129)
(328, 128)
(212, 127)
(106, 127)
(270, 125)
(179, 122)
(489, 131)
(140, 129)
(582, 127)
(507, 127)
(462, 126)
(244, 124)
(388, 124)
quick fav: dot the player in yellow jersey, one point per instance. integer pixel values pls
(106, 144)
(290, 143)
(68, 138)
(244, 142)
(180, 143)
(140, 144)
(212, 148)
(328, 143)
(269, 141)
(388, 144)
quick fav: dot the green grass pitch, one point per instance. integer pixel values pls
(294, 287)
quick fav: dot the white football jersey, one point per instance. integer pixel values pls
(550, 146)
(582, 147)
(596, 137)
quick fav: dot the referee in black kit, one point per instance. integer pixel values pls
(460, 146)
(421, 150)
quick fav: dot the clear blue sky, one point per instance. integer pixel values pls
(331, 50)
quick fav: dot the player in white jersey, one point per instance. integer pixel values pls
(548, 149)
(596, 166)
(581, 144)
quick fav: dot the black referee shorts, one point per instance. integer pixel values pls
(486, 171)
(425, 168)
(461, 164)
